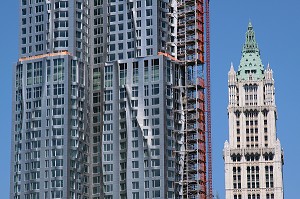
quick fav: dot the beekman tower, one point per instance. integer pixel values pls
(253, 155)
(108, 100)
(51, 101)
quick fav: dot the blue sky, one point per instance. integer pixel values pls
(277, 28)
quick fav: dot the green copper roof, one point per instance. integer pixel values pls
(250, 64)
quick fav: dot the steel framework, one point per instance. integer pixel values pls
(192, 101)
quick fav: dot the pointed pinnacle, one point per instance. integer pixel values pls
(250, 25)
(231, 67)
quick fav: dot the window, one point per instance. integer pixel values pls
(61, 4)
(155, 152)
(61, 14)
(123, 73)
(148, 2)
(269, 176)
(145, 132)
(146, 71)
(146, 122)
(149, 51)
(135, 195)
(146, 184)
(237, 177)
(107, 127)
(29, 74)
(149, 32)
(148, 22)
(58, 89)
(108, 107)
(56, 194)
(149, 42)
(155, 142)
(253, 177)
(108, 95)
(146, 172)
(135, 164)
(58, 74)
(135, 154)
(155, 101)
(156, 193)
(146, 102)
(146, 90)
(155, 121)
(148, 12)
(155, 162)
(155, 89)
(135, 185)
(155, 111)
(135, 91)
(146, 112)
(58, 111)
(108, 147)
(237, 196)
(122, 93)
(155, 131)
(135, 144)
(134, 103)
(61, 43)
(155, 183)
(135, 72)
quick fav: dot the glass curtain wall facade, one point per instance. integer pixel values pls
(93, 100)
(132, 99)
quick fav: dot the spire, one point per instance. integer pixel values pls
(231, 67)
(250, 43)
(268, 66)
(249, 24)
(251, 67)
(231, 75)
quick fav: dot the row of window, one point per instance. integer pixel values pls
(252, 157)
(255, 196)
(253, 177)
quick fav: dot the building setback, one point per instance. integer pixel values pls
(108, 100)
(253, 155)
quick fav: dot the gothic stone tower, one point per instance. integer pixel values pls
(253, 155)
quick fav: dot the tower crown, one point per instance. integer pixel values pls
(251, 67)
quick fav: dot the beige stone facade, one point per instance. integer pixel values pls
(253, 155)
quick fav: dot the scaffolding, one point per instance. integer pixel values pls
(189, 104)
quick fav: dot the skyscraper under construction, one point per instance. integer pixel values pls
(109, 100)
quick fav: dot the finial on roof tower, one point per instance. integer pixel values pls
(232, 71)
(250, 43)
(250, 25)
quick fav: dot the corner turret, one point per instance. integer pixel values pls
(231, 75)
(269, 73)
